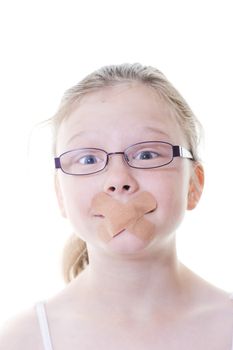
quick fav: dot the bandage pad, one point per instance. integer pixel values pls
(118, 216)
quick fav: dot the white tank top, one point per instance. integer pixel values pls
(44, 326)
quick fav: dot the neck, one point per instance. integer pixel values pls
(136, 286)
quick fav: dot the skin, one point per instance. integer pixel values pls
(134, 294)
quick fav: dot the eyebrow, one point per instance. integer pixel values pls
(81, 133)
(150, 128)
(146, 128)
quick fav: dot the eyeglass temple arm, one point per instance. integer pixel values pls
(57, 163)
(179, 151)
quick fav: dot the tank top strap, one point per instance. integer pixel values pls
(43, 324)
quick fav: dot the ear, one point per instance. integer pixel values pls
(196, 186)
(59, 194)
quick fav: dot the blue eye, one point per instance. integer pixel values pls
(145, 155)
(88, 159)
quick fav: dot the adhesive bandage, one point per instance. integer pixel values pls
(117, 216)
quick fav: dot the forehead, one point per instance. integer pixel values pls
(125, 98)
(120, 111)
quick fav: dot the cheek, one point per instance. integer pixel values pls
(171, 201)
(77, 198)
(170, 191)
(174, 206)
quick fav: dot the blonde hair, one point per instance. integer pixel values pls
(75, 257)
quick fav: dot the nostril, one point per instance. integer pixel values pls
(113, 188)
(151, 211)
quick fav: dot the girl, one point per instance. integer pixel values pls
(127, 169)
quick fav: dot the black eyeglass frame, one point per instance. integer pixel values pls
(177, 151)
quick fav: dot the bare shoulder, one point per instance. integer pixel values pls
(223, 314)
(21, 332)
(215, 318)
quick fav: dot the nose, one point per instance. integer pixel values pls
(119, 177)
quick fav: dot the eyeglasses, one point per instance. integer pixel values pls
(142, 155)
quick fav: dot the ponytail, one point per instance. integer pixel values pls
(75, 258)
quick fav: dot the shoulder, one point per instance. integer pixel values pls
(215, 317)
(222, 318)
(224, 313)
(21, 332)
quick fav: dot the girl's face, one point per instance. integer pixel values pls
(112, 119)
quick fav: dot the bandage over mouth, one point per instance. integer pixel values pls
(117, 216)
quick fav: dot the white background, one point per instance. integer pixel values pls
(47, 46)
